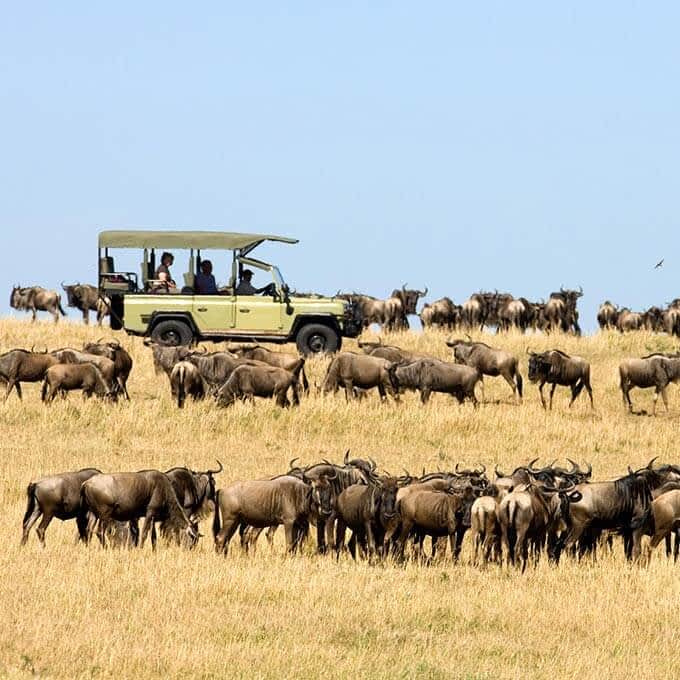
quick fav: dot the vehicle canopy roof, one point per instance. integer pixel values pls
(200, 240)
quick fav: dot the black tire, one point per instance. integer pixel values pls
(172, 332)
(315, 338)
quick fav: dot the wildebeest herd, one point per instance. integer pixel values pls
(245, 371)
(514, 517)
(654, 319)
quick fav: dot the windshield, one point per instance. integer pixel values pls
(278, 277)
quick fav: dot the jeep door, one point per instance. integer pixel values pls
(214, 313)
(259, 314)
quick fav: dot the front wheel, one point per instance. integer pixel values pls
(317, 339)
(172, 332)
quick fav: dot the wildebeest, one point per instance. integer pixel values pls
(475, 311)
(408, 299)
(248, 381)
(55, 496)
(488, 361)
(106, 366)
(193, 489)
(652, 319)
(129, 496)
(392, 353)
(366, 510)
(436, 514)
(670, 320)
(629, 321)
(37, 299)
(285, 360)
(560, 311)
(20, 365)
(165, 356)
(186, 381)
(86, 298)
(122, 361)
(654, 370)
(63, 378)
(611, 505)
(660, 520)
(532, 514)
(365, 372)
(441, 313)
(266, 503)
(607, 316)
(557, 368)
(432, 375)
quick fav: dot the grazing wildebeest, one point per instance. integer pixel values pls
(488, 361)
(193, 489)
(86, 298)
(55, 496)
(361, 371)
(268, 503)
(166, 356)
(611, 505)
(278, 359)
(607, 316)
(122, 361)
(36, 299)
(557, 368)
(392, 353)
(186, 381)
(654, 370)
(129, 496)
(532, 514)
(262, 380)
(432, 375)
(366, 510)
(20, 365)
(216, 367)
(106, 366)
(436, 514)
(62, 378)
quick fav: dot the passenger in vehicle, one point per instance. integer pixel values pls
(163, 272)
(245, 287)
(205, 281)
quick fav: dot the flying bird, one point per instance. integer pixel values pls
(659, 264)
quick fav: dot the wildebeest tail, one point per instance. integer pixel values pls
(512, 530)
(43, 391)
(30, 502)
(305, 382)
(299, 370)
(520, 383)
(61, 309)
(216, 517)
(181, 391)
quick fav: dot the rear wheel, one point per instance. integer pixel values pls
(316, 338)
(172, 332)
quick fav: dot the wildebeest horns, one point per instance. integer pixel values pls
(215, 472)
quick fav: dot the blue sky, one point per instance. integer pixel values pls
(517, 146)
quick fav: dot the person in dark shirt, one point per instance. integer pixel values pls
(245, 287)
(205, 281)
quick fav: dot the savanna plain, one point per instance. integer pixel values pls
(72, 611)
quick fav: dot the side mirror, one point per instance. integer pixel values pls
(285, 289)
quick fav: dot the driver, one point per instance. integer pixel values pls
(245, 287)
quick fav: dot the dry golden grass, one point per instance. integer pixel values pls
(68, 611)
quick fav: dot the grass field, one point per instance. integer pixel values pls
(71, 611)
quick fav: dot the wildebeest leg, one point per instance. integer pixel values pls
(540, 391)
(508, 379)
(82, 524)
(425, 395)
(664, 396)
(270, 535)
(30, 520)
(460, 534)
(668, 545)
(676, 549)
(381, 392)
(42, 527)
(134, 532)
(148, 523)
(225, 535)
(321, 536)
(290, 536)
(625, 389)
(575, 391)
(34, 312)
(340, 530)
(553, 387)
(86, 317)
(349, 389)
(370, 539)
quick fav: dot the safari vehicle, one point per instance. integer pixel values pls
(143, 306)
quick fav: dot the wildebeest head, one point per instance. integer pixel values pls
(461, 349)
(540, 366)
(18, 298)
(409, 298)
(322, 493)
(388, 489)
(72, 294)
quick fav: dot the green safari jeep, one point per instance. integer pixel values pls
(177, 314)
